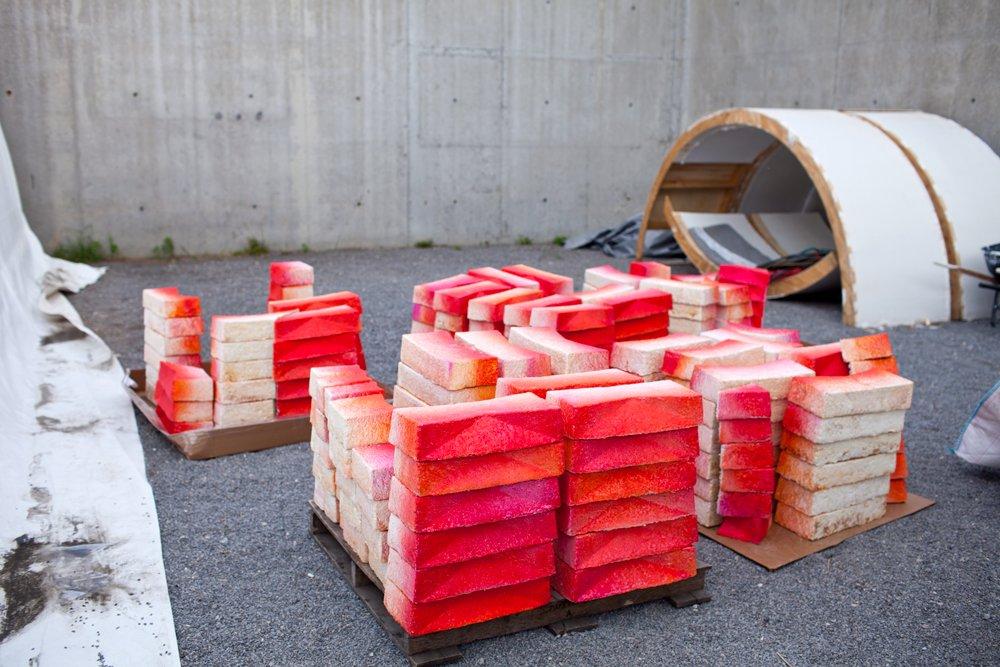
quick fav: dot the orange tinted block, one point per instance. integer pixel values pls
(580, 488)
(580, 585)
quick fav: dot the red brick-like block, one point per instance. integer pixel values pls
(749, 402)
(599, 276)
(309, 348)
(434, 478)
(470, 508)
(654, 326)
(317, 323)
(334, 375)
(624, 576)
(519, 314)
(460, 544)
(572, 318)
(630, 409)
(330, 300)
(625, 512)
(580, 488)
(423, 294)
(178, 382)
(744, 275)
(790, 336)
(864, 348)
(289, 389)
(169, 302)
(745, 529)
(335, 393)
(291, 274)
(300, 368)
(422, 313)
(550, 283)
(171, 426)
(182, 411)
(825, 360)
(749, 480)
(596, 455)
(491, 307)
(603, 338)
(610, 546)
(447, 581)
(455, 300)
(747, 455)
(371, 468)
(293, 407)
(447, 362)
(637, 304)
(744, 430)
(503, 277)
(541, 386)
(682, 363)
(744, 504)
(649, 269)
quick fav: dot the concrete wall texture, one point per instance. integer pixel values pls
(353, 123)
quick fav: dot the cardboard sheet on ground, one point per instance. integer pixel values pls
(782, 546)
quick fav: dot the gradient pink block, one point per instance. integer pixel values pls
(744, 504)
(744, 430)
(519, 314)
(748, 402)
(289, 274)
(292, 407)
(541, 386)
(514, 361)
(603, 338)
(440, 432)
(317, 302)
(649, 269)
(503, 277)
(309, 348)
(654, 326)
(748, 480)
(422, 619)
(469, 508)
(637, 304)
(747, 455)
(423, 294)
(767, 335)
(173, 327)
(423, 314)
(863, 348)
(744, 275)
(440, 582)
(610, 546)
(455, 300)
(731, 294)
(550, 283)
(169, 302)
(289, 389)
(860, 393)
(477, 325)
(566, 356)
(371, 468)
(631, 409)
(317, 323)
(581, 488)
(447, 362)
(581, 585)
(682, 363)
(335, 375)
(584, 456)
(359, 420)
(171, 426)
(434, 478)
(824, 360)
(774, 376)
(449, 322)
(572, 318)
(646, 357)
(599, 276)
(461, 544)
(746, 529)
(625, 512)
(178, 382)
(887, 364)
(491, 307)
(601, 293)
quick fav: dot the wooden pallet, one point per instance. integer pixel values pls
(559, 617)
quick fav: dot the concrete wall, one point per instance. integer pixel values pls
(345, 124)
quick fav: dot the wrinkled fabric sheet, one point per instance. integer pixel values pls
(620, 241)
(979, 442)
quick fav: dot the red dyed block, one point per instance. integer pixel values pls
(625, 512)
(744, 275)
(447, 581)
(469, 508)
(749, 480)
(637, 304)
(824, 360)
(745, 529)
(178, 382)
(897, 491)
(317, 302)
(467, 429)
(181, 411)
(744, 430)
(491, 307)
(299, 368)
(766, 335)
(653, 326)
(744, 504)
(421, 313)
(447, 362)
(649, 269)
(290, 274)
(756, 319)
(371, 468)
(631, 450)
(434, 478)
(294, 407)
(747, 455)
(887, 364)
(519, 314)
(171, 426)
(503, 277)
(455, 300)
(550, 283)
(864, 348)
(631, 409)
(421, 619)
(541, 386)
(317, 323)
(469, 542)
(748, 402)
(624, 576)
(448, 322)
(334, 375)
(309, 348)
(289, 389)
(169, 302)
(423, 294)
(603, 338)
(572, 318)
(610, 546)
(580, 488)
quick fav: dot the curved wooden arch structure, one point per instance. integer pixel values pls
(885, 225)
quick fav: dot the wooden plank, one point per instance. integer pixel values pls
(696, 175)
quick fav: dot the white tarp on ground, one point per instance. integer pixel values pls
(81, 569)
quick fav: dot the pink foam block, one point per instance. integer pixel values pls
(864, 348)
(580, 488)
(572, 318)
(581, 585)
(308, 348)
(654, 326)
(169, 302)
(744, 430)
(637, 304)
(292, 407)
(421, 619)
(541, 386)
(599, 276)
(371, 468)
(317, 323)
(519, 314)
(434, 478)
(455, 300)
(649, 269)
(321, 377)
(625, 512)
(682, 363)
(824, 360)
(470, 508)
(447, 362)
(447, 581)
(566, 356)
(748, 480)
(503, 277)
(774, 376)
(171, 426)
(450, 322)
(491, 307)
(550, 283)
(423, 294)
(747, 455)
(469, 542)
(744, 275)
(745, 529)
(184, 383)
(747, 402)
(300, 368)
(603, 338)
(285, 274)
(422, 314)
(610, 546)
(515, 361)
(631, 450)
(744, 504)
(601, 293)
(767, 335)
(629, 409)
(317, 302)
(468, 429)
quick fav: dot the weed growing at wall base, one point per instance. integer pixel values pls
(559, 241)
(165, 250)
(424, 243)
(253, 248)
(84, 248)
(523, 240)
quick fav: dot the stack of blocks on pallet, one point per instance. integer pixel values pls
(645, 357)
(172, 328)
(639, 314)
(436, 369)
(242, 368)
(709, 381)
(756, 281)
(183, 397)
(585, 323)
(694, 304)
(839, 450)
(472, 511)
(290, 280)
(746, 463)
(627, 520)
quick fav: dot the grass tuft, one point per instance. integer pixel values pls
(253, 248)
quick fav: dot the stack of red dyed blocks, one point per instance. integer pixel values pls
(472, 511)
(679, 364)
(639, 314)
(585, 323)
(242, 367)
(436, 369)
(485, 313)
(183, 397)
(694, 303)
(423, 314)
(756, 280)
(172, 329)
(519, 314)
(746, 463)
(627, 520)
(290, 280)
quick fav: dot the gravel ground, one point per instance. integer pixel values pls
(248, 585)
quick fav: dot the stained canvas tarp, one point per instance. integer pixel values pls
(980, 440)
(81, 568)
(620, 241)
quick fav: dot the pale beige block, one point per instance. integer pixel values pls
(686, 311)
(567, 356)
(774, 376)
(237, 414)
(330, 507)
(707, 465)
(680, 325)
(708, 438)
(378, 543)
(698, 294)
(404, 399)
(244, 392)
(827, 500)
(655, 377)
(243, 371)
(356, 541)
(296, 291)
(320, 448)
(815, 477)
(843, 450)
(152, 375)
(645, 357)
(172, 327)
(874, 391)
(340, 456)
(378, 568)
(153, 358)
(821, 525)
(193, 411)
(243, 351)
(707, 489)
(832, 429)
(244, 328)
(433, 394)
(706, 512)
